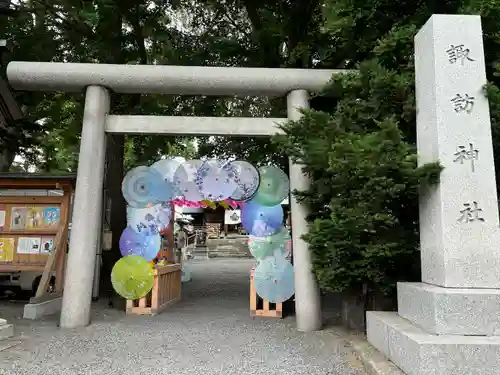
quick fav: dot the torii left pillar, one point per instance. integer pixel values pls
(87, 211)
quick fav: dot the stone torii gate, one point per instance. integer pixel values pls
(98, 80)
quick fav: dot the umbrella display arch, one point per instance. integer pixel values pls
(97, 80)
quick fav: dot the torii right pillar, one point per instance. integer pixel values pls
(449, 324)
(307, 296)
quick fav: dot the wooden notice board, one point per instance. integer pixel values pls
(29, 223)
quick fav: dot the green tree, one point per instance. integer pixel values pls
(31, 40)
(365, 182)
(360, 149)
(271, 34)
(120, 32)
(105, 31)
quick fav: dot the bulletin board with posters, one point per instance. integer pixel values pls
(32, 225)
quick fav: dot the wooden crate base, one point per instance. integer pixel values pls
(262, 307)
(165, 293)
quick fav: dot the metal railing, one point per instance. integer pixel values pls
(192, 245)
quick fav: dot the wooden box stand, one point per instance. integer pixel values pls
(262, 307)
(165, 293)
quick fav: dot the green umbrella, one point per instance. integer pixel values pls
(132, 277)
(262, 247)
(274, 186)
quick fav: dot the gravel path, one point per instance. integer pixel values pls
(208, 332)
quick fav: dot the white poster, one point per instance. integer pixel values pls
(28, 245)
(47, 245)
(232, 217)
(2, 219)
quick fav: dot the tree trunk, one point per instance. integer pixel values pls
(357, 301)
(117, 218)
(112, 53)
(6, 160)
(115, 148)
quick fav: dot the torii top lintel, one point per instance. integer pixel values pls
(165, 79)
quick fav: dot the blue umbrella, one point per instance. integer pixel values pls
(144, 186)
(261, 221)
(134, 243)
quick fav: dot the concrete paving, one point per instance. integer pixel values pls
(209, 332)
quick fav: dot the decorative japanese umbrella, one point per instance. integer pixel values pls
(247, 180)
(140, 244)
(167, 168)
(149, 220)
(185, 180)
(261, 247)
(132, 277)
(144, 186)
(214, 181)
(274, 186)
(261, 221)
(273, 279)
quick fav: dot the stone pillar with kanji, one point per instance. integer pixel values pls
(450, 323)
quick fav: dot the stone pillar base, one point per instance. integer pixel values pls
(6, 330)
(38, 309)
(450, 311)
(417, 352)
